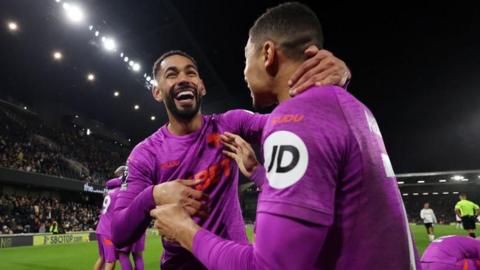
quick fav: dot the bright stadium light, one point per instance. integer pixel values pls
(420, 181)
(131, 63)
(74, 13)
(405, 194)
(415, 194)
(97, 33)
(136, 67)
(136, 107)
(109, 44)
(57, 56)
(148, 78)
(455, 192)
(442, 181)
(25, 108)
(116, 94)
(125, 59)
(457, 178)
(152, 118)
(89, 132)
(445, 193)
(425, 193)
(434, 193)
(58, 1)
(12, 26)
(90, 27)
(91, 77)
(121, 55)
(401, 182)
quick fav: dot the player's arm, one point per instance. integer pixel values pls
(273, 248)
(113, 183)
(457, 211)
(422, 216)
(135, 200)
(477, 209)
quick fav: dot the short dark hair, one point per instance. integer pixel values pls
(463, 195)
(156, 65)
(292, 26)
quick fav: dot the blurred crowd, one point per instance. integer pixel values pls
(64, 152)
(28, 214)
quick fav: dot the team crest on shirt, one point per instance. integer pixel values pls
(286, 159)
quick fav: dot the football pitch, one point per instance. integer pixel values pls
(83, 255)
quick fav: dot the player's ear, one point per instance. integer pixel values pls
(157, 93)
(201, 87)
(270, 54)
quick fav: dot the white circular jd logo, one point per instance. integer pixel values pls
(286, 158)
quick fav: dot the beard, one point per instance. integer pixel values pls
(183, 114)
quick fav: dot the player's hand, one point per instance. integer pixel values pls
(181, 192)
(175, 224)
(321, 68)
(239, 150)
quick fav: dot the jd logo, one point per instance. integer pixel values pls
(286, 156)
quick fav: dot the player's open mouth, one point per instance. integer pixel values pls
(185, 97)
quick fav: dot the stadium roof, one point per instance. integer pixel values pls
(416, 67)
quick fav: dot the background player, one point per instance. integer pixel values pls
(467, 211)
(106, 248)
(428, 217)
(326, 167)
(452, 253)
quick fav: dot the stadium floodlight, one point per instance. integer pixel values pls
(442, 181)
(420, 181)
(129, 140)
(97, 33)
(405, 194)
(125, 59)
(121, 55)
(445, 193)
(136, 67)
(109, 44)
(152, 117)
(131, 63)
(116, 94)
(457, 177)
(153, 82)
(401, 182)
(90, 27)
(12, 26)
(425, 193)
(91, 77)
(434, 193)
(74, 13)
(25, 108)
(76, 116)
(57, 55)
(58, 1)
(415, 194)
(89, 132)
(136, 107)
(455, 192)
(148, 78)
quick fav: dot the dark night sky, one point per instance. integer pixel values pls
(416, 65)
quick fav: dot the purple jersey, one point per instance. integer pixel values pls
(164, 157)
(452, 250)
(330, 185)
(106, 215)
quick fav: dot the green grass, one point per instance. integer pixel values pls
(82, 256)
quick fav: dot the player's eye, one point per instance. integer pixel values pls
(171, 75)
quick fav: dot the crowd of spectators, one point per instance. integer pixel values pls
(32, 146)
(29, 214)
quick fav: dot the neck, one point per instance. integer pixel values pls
(286, 70)
(183, 127)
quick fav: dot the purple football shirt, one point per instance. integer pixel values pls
(452, 250)
(330, 198)
(164, 157)
(104, 226)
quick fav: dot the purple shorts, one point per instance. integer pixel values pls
(106, 249)
(136, 247)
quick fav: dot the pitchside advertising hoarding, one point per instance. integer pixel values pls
(18, 240)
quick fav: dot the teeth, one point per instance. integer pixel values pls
(185, 93)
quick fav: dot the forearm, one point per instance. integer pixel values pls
(268, 251)
(132, 214)
(258, 175)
